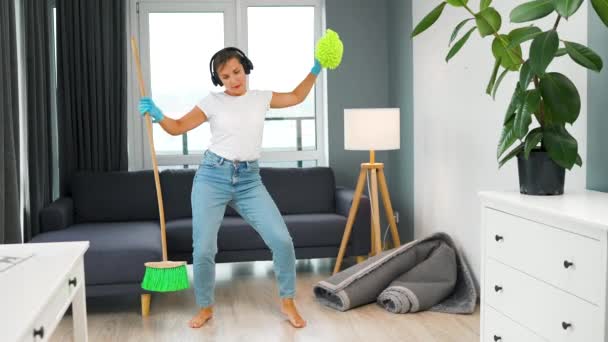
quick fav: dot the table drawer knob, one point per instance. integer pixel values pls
(567, 264)
(497, 338)
(72, 282)
(39, 332)
(498, 238)
(497, 288)
(565, 325)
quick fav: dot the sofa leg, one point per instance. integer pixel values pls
(360, 258)
(145, 304)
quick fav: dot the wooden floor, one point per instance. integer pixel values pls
(247, 310)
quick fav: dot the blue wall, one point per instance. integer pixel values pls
(361, 79)
(376, 71)
(401, 162)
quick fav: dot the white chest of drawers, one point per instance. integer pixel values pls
(35, 293)
(544, 266)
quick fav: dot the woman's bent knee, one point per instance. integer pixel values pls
(283, 242)
(202, 254)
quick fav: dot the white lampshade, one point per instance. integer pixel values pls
(371, 129)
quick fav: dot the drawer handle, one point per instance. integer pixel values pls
(497, 338)
(72, 282)
(567, 264)
(498, 238)
(39, 332)
(565, 325)
(497, 288)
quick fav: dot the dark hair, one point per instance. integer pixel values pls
(224, 56)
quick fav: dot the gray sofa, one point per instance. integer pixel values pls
(118, 213)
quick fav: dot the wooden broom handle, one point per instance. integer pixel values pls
(159, 195)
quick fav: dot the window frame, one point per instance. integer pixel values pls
(235, 34)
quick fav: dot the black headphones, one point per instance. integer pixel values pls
(247, 65)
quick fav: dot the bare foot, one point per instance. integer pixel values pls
(201, 317)
(288, 307)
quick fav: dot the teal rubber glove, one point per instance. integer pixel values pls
(316, 69)
(146, 105)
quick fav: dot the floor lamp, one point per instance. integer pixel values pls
(371, 129)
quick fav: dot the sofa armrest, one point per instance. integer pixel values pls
(57, 215)
(360, 237)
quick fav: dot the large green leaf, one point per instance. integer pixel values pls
(457, 29)
(454, 50)
(561, 96)
(531, 11)
(493, 77)
(457, 3)
(523, 118)
(561, 146)
(488, 21)
(507, 138)
(510, 155)
(532, 140)
(601, 8)
(542, 51)
(525, 75)
(566, 8)
(513, 105)
(548, 116)
(509, 58)
(429, 19)
(579, 160)
(498, 81)
(523, 34)
(584, 56)
(483, 4)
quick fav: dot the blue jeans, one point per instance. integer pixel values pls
(219, 182)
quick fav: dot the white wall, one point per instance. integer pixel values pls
(457, 126)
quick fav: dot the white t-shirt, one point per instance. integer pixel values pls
(237, 123)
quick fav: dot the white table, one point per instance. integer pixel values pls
(36, 292)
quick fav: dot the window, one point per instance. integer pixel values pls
(287, 129)
(178, 38)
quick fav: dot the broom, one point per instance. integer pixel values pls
(160, 276)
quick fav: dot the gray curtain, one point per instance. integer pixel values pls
(10, 227)
(91, 63)
(37, 40)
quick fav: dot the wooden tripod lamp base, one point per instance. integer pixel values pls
(376, 171)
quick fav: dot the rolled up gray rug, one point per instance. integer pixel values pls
(425, 285)
(363, 283)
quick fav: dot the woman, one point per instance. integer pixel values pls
(229, 174)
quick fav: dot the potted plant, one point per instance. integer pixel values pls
(545, 149)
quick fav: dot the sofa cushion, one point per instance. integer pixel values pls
(306, 230)
(114, 196)
(117, 250)
(301, 190)
(294, 190)
(313, 230)
(179, 235)
(177, 188)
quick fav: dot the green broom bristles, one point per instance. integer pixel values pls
(165, 279)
